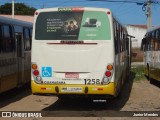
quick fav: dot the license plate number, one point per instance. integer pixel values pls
(71, 89)
(71, 75)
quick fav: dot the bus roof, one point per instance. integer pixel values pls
(82, 8)
(153, 29)
(14, 22)
(78, 8)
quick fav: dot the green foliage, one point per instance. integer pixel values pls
(20, 9)
(137, 71)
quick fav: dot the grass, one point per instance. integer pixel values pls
(137, 73)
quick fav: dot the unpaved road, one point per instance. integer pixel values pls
(135, 96)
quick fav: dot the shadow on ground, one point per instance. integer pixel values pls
(156, 83)
(14, 95)
(90, 106)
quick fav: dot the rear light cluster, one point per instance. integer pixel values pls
(36, 75)
(108, 12)
(36, 13)
(108, 74)
(36, 72)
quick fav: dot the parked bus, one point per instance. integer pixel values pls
(78, 51)
(15, 53)
(151, 47)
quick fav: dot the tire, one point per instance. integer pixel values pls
(151, 81)
(148, 76)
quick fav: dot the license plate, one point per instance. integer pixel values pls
(71, 75)
(71, 89)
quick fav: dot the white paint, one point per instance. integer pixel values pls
(138, 32)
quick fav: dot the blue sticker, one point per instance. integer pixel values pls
(46, 71)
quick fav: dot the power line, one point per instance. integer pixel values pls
(146, 6)
(120, 1)
(56, 3)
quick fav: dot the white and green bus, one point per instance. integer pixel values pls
(78, 51)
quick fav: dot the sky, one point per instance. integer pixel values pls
(126, 13)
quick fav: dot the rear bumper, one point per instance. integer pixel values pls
(86, 89)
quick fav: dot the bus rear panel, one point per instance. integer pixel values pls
(73, 52)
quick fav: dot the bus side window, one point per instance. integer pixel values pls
(27, 42)
(143, 43)
(30, 35)
(147, 42)
(121, 39)
(8, 43)
(1, 38)
(153, 41)
(156, 45)
(123, 47)
(150, 42)
(156, 40)
(115, 37)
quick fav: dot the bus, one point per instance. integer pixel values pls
(151, 47)
(15, 53)
(80, 51)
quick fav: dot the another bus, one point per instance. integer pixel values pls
(151, 47)
(78, 51)
(15, 53)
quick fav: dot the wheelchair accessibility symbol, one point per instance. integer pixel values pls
(46, 71)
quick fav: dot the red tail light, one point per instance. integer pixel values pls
(108, 74)
(108, 12)
(36, 13)
(36, 72)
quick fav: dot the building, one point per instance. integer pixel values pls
(138, 31)
(21, 17)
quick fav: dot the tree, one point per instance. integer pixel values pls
(20, 9)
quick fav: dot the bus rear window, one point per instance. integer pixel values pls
(69, 25)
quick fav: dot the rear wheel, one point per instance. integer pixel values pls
(149, 78)
(151, 81)
(148, 75)
(118, 93)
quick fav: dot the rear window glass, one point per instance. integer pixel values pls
(69, 25)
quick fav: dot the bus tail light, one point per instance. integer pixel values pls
(108, 74)
(34, 66)
(36, 72)
(109, 67)
(36, 13)
(108, 12)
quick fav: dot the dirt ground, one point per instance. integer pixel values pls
(135, 96)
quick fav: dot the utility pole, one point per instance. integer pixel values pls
(12, 9)
(146, 7)
(43, 6)
(148, 13)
